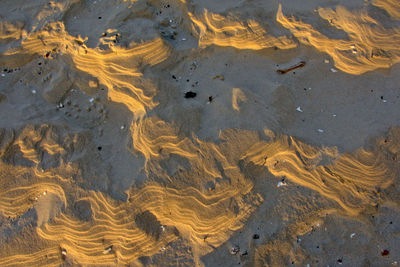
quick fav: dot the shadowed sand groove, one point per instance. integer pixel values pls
(215, 29)
(369, 45)
(349, 179)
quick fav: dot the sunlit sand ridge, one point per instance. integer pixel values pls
(116, 69)
(48, 258)
(111, 237)
(210, 220)
(215, 29)
(16, 201)
(392, 7)
(349, 179)
(369, 45)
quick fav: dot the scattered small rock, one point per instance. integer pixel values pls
(385, 252)
(219, 76)
(256, 236)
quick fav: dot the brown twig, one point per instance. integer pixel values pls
(299, 65)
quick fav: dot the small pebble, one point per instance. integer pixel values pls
(326, 61)
(33, 91)
(235, 250)
(320, 130)
(333, 70)
(299, 109)
(3, 75)
(352, 235)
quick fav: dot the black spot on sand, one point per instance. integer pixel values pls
(190, 94)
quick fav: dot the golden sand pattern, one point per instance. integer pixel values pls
(215, 29)
(16, 201)
(48, 258)
(117, 69)
(181, 204)
(349, 179)
(370, 46)
(111, 237)
(392, 7)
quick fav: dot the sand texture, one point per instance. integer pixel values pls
(199, 133)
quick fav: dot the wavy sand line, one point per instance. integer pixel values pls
(16, 201)
(351, 180)
(215, 29)
(111, 225)
(50, 257)
(369, 45)
(392, 7)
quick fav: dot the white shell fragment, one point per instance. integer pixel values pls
(320, 130)
(333, 70)
(107, 250)
(280, 183)
(299, 109)
(352, 235)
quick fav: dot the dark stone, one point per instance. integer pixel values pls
(190, 94)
